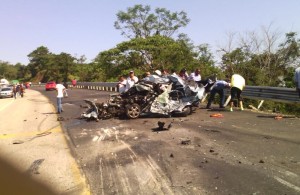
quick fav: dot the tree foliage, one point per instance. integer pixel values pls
(264, 61)
(45, 66)
(140, 22)
(145, 54)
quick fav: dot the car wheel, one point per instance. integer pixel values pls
(133, 111)
(186, 111)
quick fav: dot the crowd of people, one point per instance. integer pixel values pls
(235, 83)
(18, 90)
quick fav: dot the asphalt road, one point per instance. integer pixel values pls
(242, 153)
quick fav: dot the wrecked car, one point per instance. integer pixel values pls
(167, 97)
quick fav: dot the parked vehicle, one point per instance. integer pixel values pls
(167, 97)
(6, 92)
(51, 85)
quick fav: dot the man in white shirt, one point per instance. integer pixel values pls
(60, 89)
(195, 75)
(122, 84)
(131, 80)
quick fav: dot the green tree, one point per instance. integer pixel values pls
(206, 63)
(8, 71)
(289, 57)
(39, 62)
(144, 54)
(63, 63)
(140, 22)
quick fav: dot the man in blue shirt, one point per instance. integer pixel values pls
(218, 87)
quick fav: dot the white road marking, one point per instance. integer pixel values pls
(288, 184)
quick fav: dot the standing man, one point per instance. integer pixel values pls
(60, 89)
(195, 75)
(22, 90)
(131, 80)
(15, 91)
(237, 85)
(183, 74)
(297, 79)
(218, 87)
(121, 84)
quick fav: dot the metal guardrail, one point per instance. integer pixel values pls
(277, 94)
(100, 86)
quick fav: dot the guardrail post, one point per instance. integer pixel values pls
(227, 100)
(260, 104)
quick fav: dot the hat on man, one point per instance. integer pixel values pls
(158, 72)
(131, 71)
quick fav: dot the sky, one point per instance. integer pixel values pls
(86, 27)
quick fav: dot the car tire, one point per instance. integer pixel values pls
(133, 111)
(186, 111)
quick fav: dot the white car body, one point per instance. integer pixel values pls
(6, 92)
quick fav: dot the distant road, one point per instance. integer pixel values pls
(241, 153)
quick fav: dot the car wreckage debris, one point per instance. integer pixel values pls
(34, 168)
(170, 96)
(161, 126)
(186, 142)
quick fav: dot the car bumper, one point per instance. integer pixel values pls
(6, 95)
(50, 89)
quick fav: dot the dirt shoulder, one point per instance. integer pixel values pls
(34, 146)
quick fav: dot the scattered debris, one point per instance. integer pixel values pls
(84, 106)
(96, 138)
(261, 161)
(278, 117)
(217, 115)
(186, 142)
(32, 138)
(18, 142)
(35, 166)
(161, 126)
(211, 151)
(252, 107)
(206, 161)
(60, 118)
(171, 155)
(212, 130)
